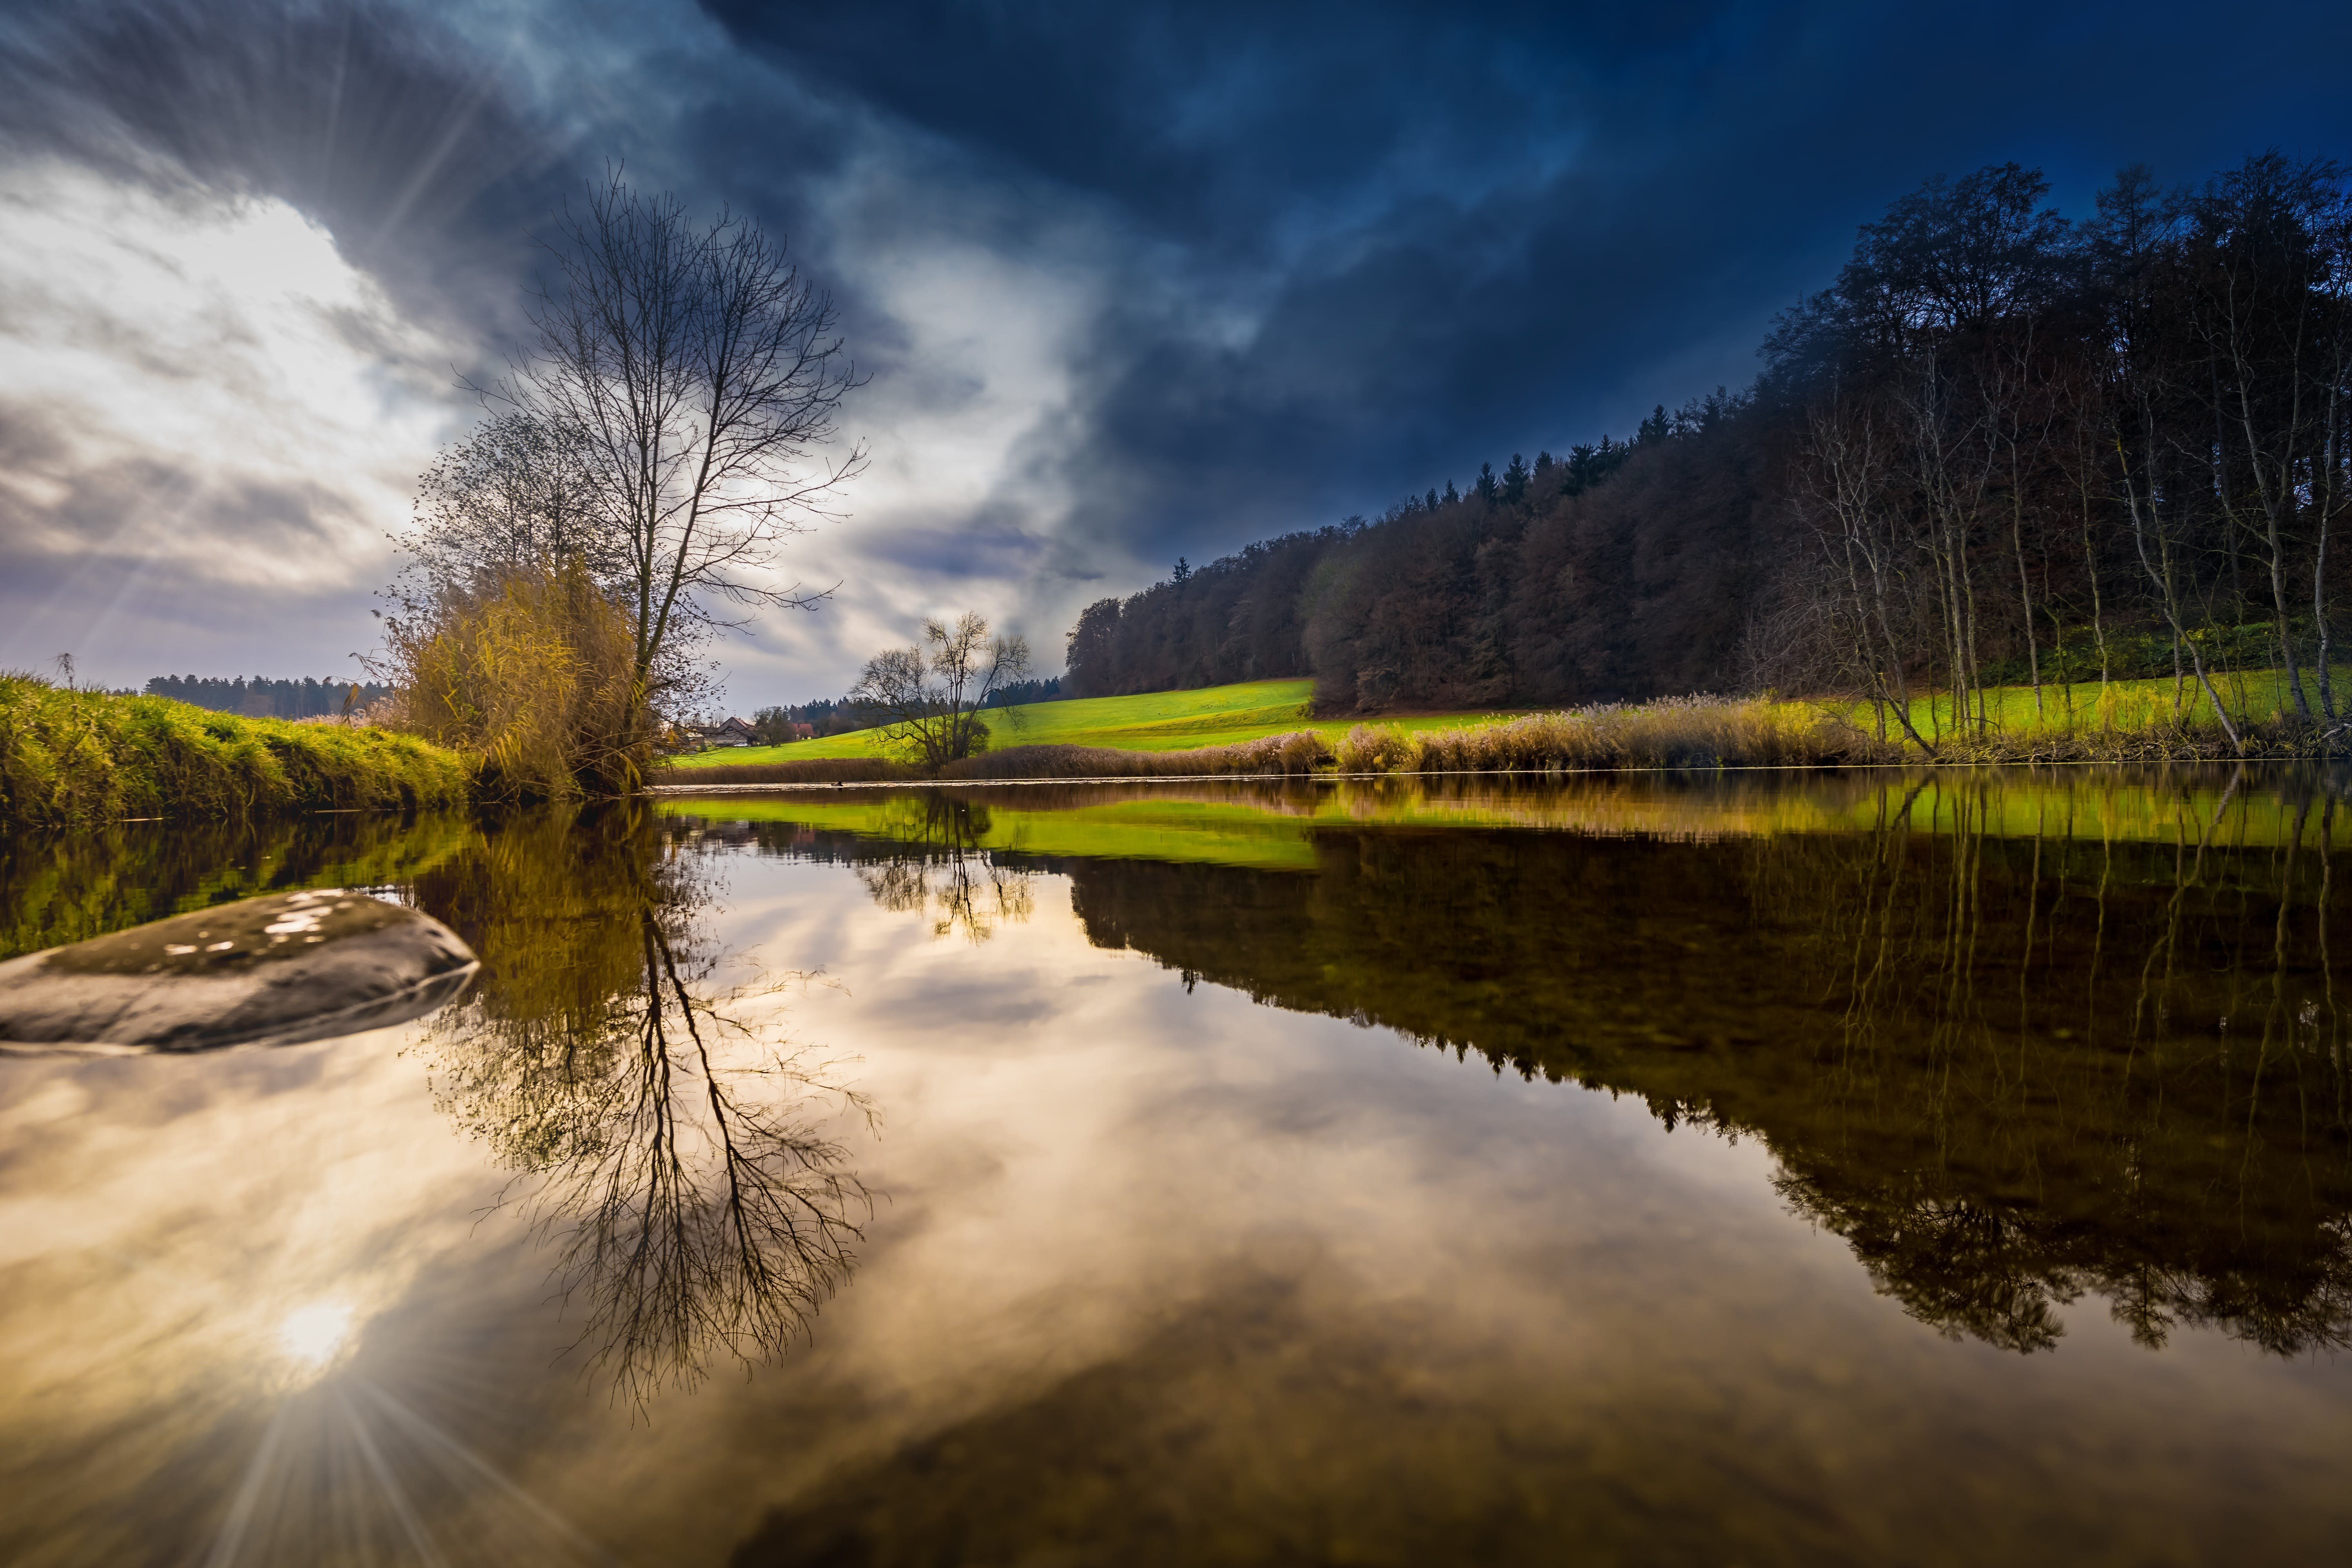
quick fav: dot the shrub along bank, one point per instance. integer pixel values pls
(77, 757)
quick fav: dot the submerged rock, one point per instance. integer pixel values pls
(269, 970)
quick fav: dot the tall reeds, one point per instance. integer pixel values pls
(1676, 732)
(1300, 752)
(1686, 733)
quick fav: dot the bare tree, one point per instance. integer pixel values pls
(2141, 496)
(506, 633)
(928, 703)
(2272, 307)
(512, 494)
(698, 376)
(1844, 476)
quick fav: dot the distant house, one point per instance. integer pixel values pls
(727, 732)
(800, 732)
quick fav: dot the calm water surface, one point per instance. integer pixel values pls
(1894, 1168)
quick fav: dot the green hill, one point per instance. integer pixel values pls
(1154, 722)
(1224, 715)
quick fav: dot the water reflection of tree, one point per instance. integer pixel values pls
(2009, 1059)
(671, 1149)
(2077, 1066)
(933, 864)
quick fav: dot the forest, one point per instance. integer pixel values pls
(262, 698)
(2002, 447)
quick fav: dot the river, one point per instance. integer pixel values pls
(1761, 1168)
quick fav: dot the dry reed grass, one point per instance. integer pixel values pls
(1696, 732)
(1300, 752)
(1684, 733)
(816, 771)
(2168, 740)
(532, 672)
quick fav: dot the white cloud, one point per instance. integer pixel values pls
(206, 393)
(209, 417)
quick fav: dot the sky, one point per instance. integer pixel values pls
(1125, 282)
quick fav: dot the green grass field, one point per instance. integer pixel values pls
(1223, 715)
(1155, 721)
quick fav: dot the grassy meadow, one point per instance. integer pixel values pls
(74, 758)
(1154, 722)
(1227, 728)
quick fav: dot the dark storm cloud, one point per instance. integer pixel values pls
(1284, 263)
(1466, 232)
(1211, 121)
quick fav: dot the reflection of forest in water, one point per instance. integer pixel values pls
(2006, 1069)
(2007, 1066)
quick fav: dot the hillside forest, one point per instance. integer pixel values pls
(2002, 447)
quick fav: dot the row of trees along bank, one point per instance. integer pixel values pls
(656, 439)
(263, 698)
(2004, 447)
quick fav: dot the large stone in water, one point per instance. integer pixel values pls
(269, 970)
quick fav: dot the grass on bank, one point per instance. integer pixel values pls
(71, 758)
(2256, 699)
(1153, 721)
(1684, 733)
(1264, 727)
(2129, 722)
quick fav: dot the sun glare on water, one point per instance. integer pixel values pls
(314, 1335)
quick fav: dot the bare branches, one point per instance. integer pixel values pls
(930, 704)
(972, 893)
(709, 1213)
(513, 495)
(2139, 424)
(697, 375)
(674, 1151)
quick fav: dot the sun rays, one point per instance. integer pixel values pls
(346, 1471)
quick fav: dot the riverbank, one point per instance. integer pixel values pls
(1692, 732)
(1687, 732)
(73, 758)
(1197, 718)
